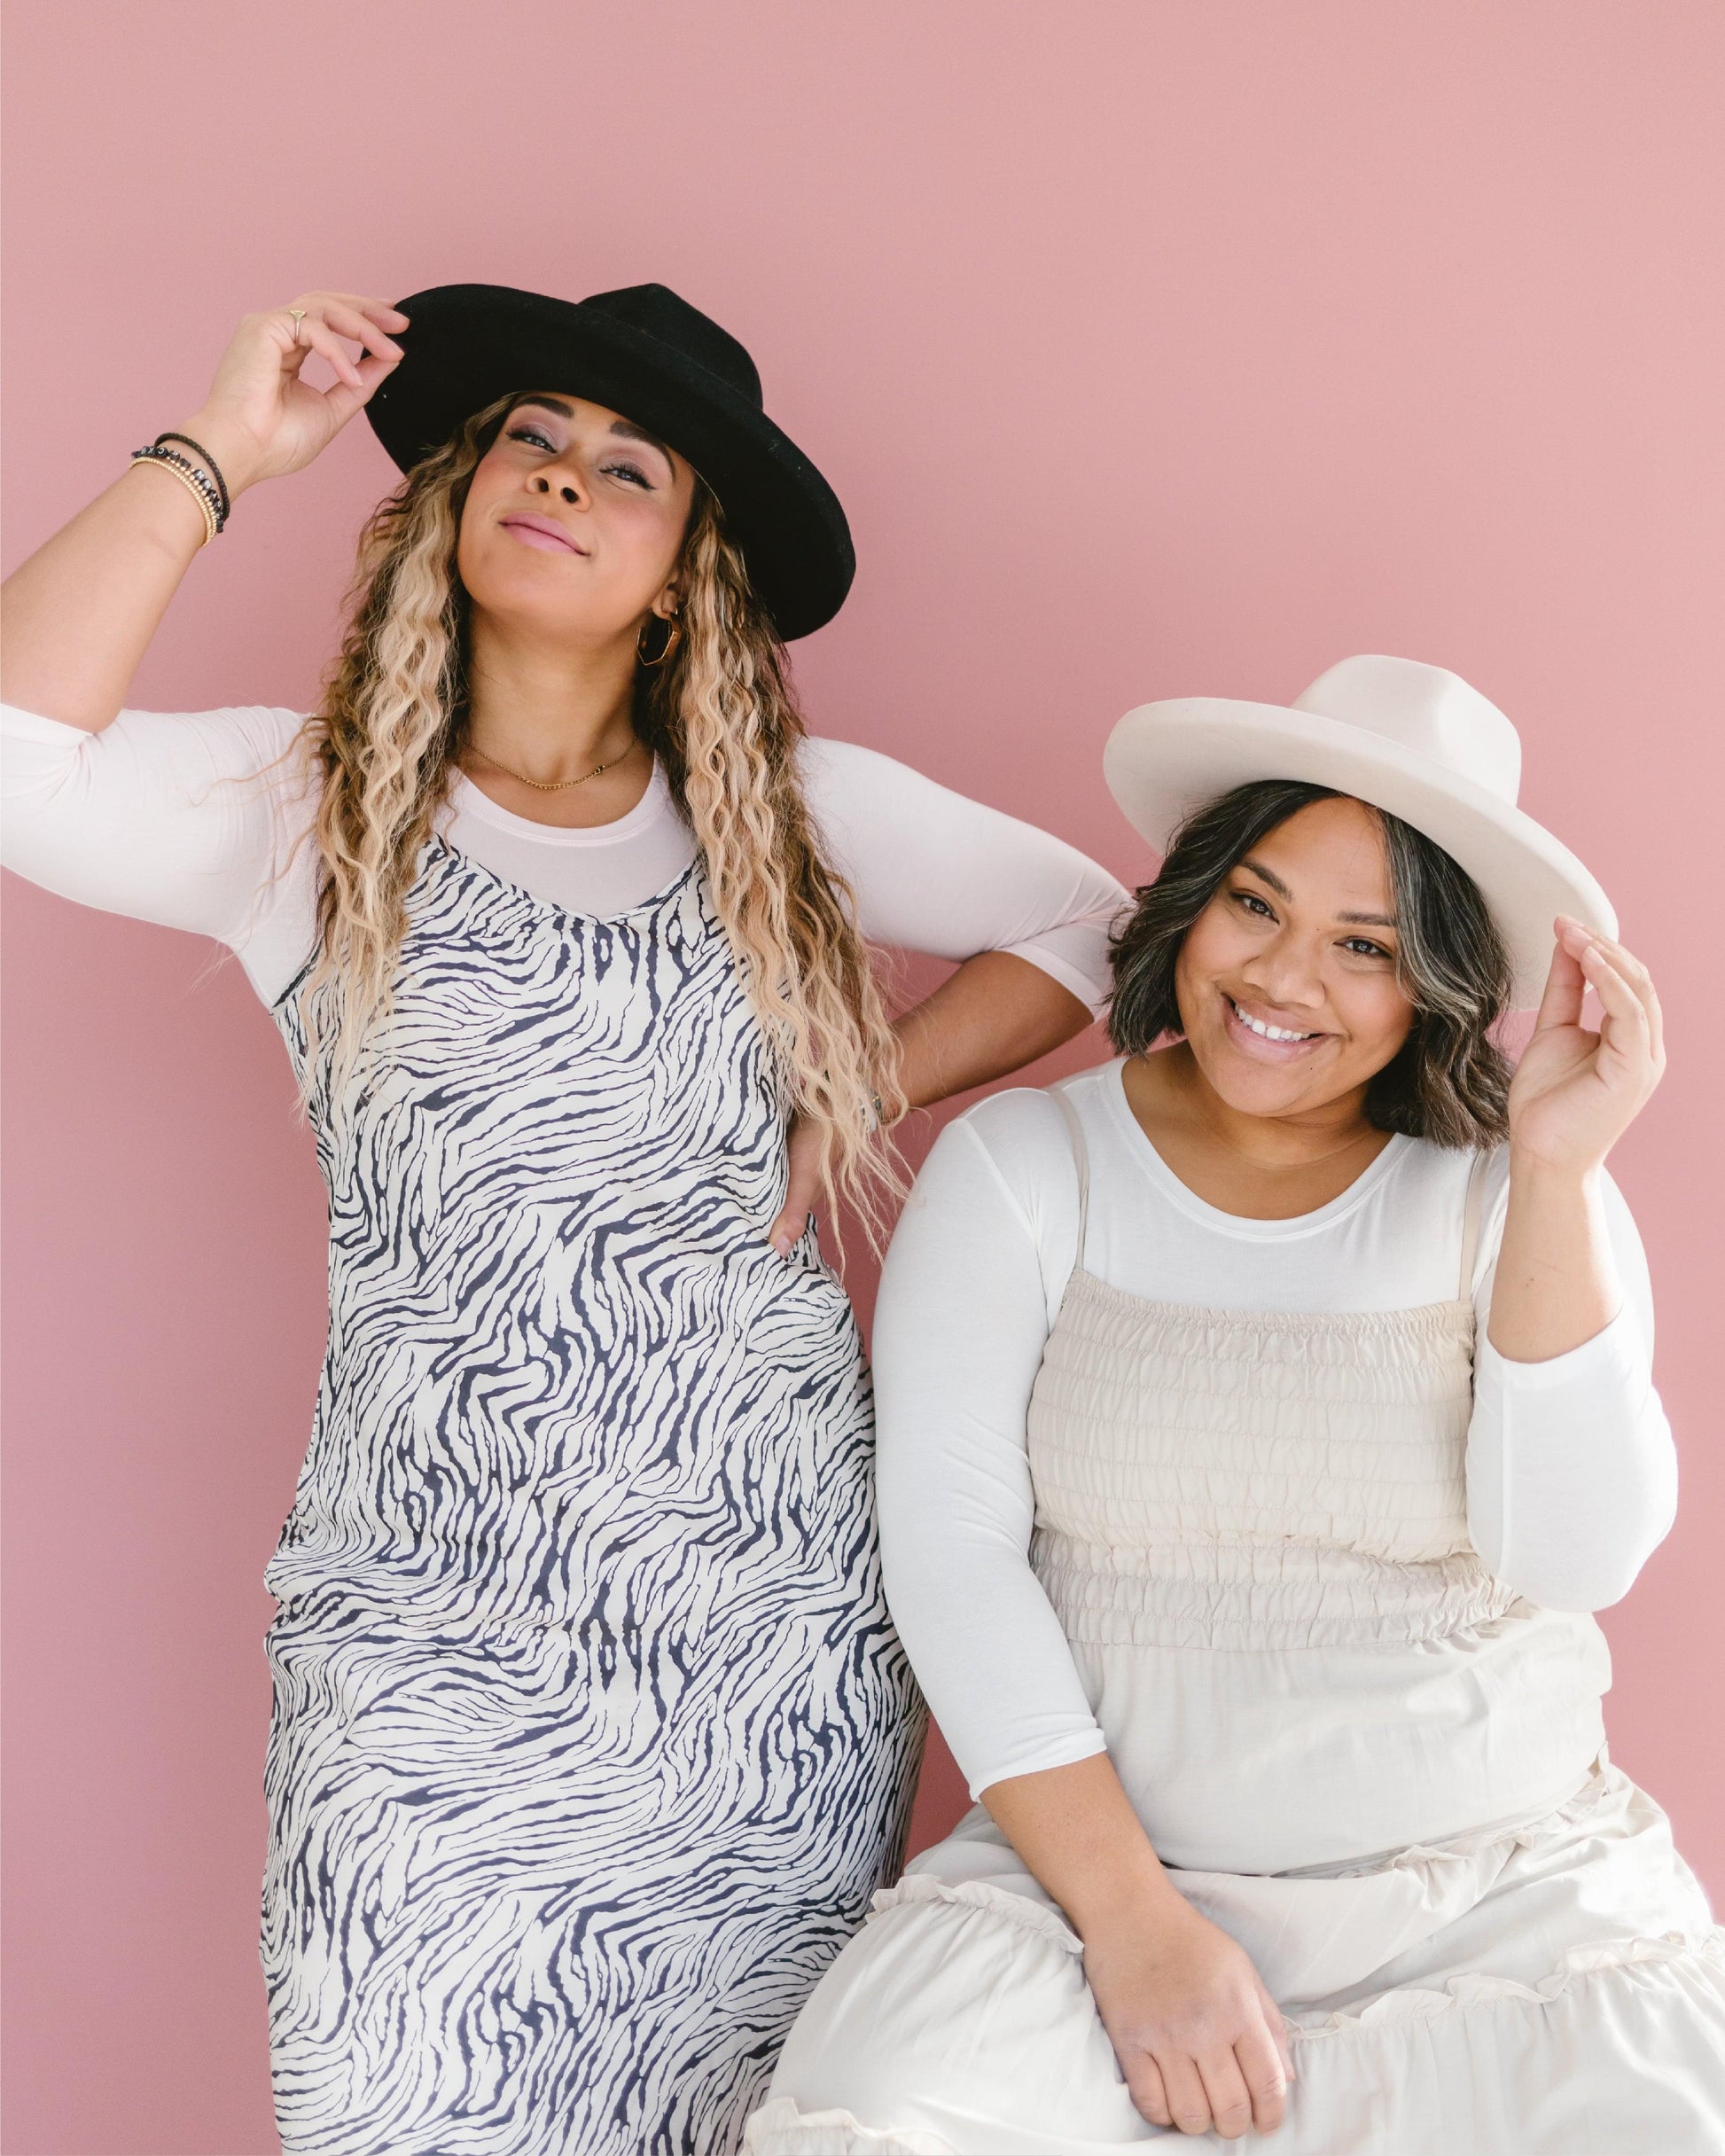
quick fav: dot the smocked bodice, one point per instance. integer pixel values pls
(1252, 1479)
(1245, 1479)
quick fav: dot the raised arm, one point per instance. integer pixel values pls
(960, 1327)
(1026, 915)
(1572, 1475)
(936, 871)
(78, 616)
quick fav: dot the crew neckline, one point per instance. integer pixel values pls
(1186, 1200)
(466, 799)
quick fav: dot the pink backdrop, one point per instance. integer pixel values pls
(1154, 347)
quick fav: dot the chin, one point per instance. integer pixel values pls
(1258, 1089)
(544, 609)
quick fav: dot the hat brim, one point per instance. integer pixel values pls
(468, 345)
(1165, 760)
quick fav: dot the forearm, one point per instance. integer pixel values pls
(81, 612)
(1556, 1285)
(1081, 1840)
(79, 615)
(996, 1014)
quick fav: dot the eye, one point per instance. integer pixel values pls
(1363, 946)
(1250, 901)
(633, 473)
(528, 430)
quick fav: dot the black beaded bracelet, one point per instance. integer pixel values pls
(201, 482)
(210, 466)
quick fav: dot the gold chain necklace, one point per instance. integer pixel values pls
(552, 785)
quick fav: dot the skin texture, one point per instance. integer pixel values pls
(552, 651)
(1268, 1131)
(554, 629)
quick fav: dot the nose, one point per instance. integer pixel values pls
(566, 489)
(1286, 973)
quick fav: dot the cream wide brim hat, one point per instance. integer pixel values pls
(1412, 739)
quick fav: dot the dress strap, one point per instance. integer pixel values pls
(1080, 1153)
(1475, 1207)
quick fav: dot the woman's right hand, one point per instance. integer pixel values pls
(1200, 2041)
(260, 419)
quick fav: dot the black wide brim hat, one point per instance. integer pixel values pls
(649, 355)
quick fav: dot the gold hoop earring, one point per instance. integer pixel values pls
(673, 631)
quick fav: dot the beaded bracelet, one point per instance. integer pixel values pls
(213, 489)
(198, 484)
(210, 466)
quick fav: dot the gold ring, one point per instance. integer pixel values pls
(298, 315)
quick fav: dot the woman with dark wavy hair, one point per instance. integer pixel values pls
(591, 1736)
(1262, 1417)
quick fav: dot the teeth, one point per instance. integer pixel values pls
(1269, 1033)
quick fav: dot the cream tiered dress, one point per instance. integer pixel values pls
(1252, 1529)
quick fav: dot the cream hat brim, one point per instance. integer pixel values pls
(1165, 760)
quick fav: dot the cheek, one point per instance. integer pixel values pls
(1378, 1016)
(644, 537)
(476, 513)
(1214, 947)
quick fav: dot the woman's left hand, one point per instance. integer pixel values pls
(1576, 1093)
(803, 1189)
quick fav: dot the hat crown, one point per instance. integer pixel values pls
(656, 311)
(1426, 709)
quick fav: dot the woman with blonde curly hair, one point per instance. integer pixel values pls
(592, 1737)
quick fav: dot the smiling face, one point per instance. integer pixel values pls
(573, 524)
(1286, 981)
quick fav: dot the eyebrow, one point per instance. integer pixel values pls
(640, 433)
(1264, 875)
(625, 429)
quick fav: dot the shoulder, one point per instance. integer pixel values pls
(235, 741)
(821, 758)
(1437, 1177)
(843, 781)
(1021, 1138)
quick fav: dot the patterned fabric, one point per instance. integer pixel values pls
(592, 1737)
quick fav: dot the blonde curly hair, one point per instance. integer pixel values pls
(721, 717)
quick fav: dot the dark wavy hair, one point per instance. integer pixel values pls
(1449, 1081)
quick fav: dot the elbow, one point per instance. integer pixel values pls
(1575, 1592)
(1580, 1580)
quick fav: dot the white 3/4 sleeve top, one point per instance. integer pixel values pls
(201, 820)
(1571, 1471)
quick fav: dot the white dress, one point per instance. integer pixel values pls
(1376, 1764)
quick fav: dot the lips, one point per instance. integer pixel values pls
(1247, 1036)
(542, 533)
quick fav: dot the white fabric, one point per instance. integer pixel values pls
(198, 820)
(1570, 1468)
(1541, 1990)
(1377, 1768)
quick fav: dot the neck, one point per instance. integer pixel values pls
(1299, 1139)
(552, 711)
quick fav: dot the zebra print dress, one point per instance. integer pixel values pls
(592, 1737)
